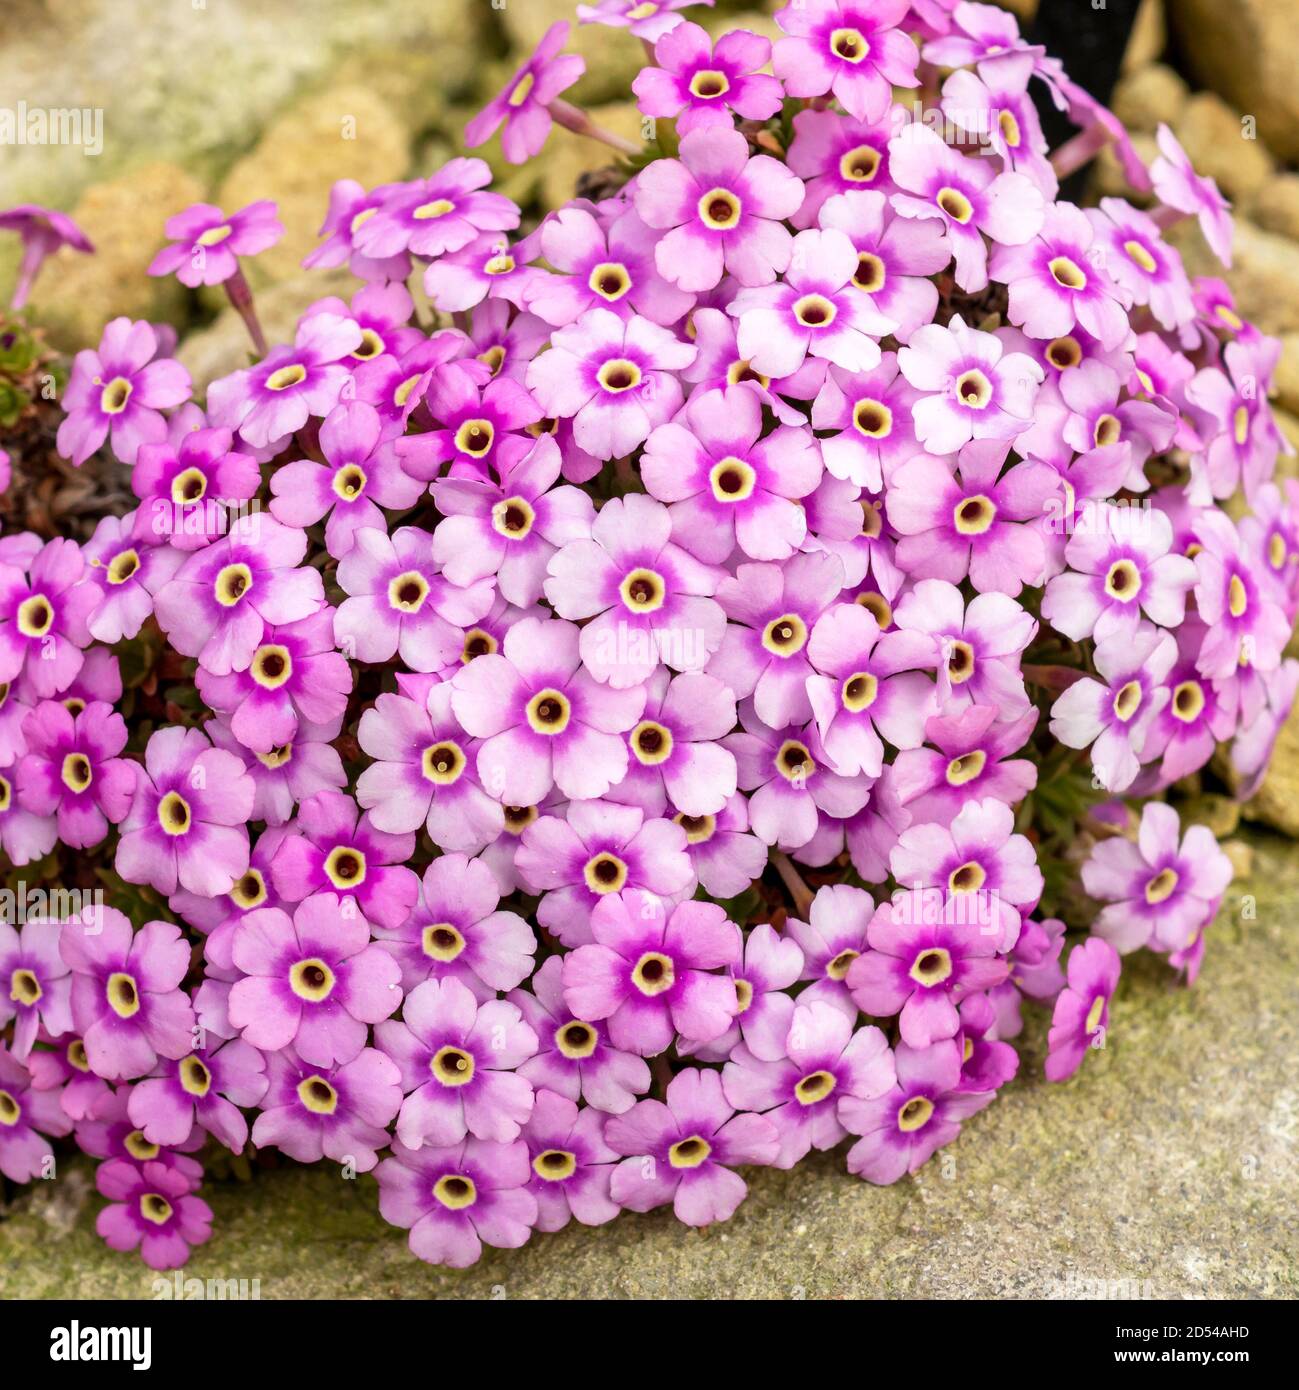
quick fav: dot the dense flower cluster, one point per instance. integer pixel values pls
(833, 501)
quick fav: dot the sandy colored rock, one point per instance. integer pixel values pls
(344, 132)
(1148, 38)
(1264, 275)
(1150, 95)
(1245, 50)
(1277, 801)
(76, 295)
(196, 85)
(1285, 383)
(1165, 1169)
(1107, 173)
(1220, 146)
(1275, 205)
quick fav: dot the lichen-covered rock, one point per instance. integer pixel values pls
(1275, 206)
(1264, 274)
(1150, 95)
(1245, 50)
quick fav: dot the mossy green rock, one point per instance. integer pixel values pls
(1166, 1169)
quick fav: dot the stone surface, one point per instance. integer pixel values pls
(1148, 38)
(1275, 206)
(613, 56)
(76, 295)
(1169, 1163)
(1150, 95)
(1213, 136)
(1245, 50)
(1286, 381)
(1276, 802)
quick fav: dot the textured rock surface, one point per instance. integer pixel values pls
(1245, 50)
(1169, 1163)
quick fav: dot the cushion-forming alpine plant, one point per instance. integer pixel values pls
(664, 704)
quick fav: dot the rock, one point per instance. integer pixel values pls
(1275, 205)
(613, 56)
(1148, 37)
(224, 346)
(1285, 383)
(1168, 1163)
(1276, 802)
(1153, 94)
(1222, 147)
(76, 295)
(195, 84)
(1245, 51)
(343, 132)
(1107, 172)
(1264, 275)
(1220, 813)
(1241, 855)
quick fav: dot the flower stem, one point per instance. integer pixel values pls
(574, 119)
(1079, 150)
(793, 880)
(242, 298)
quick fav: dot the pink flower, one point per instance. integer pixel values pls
(206, 244)
(1082, 1009)
(701, 84)
(523, 104)
(1179, 186)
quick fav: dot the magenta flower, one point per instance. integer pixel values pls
(848, 48)
(790, 779)
(1246, 624)
(831, 939)
(816, 312)
(979, 34)
(835, 154)
(272, 400)
(71, 770)
(1056, 281)
(1082, 1011)
(683, 1151)
(1196, 718)
(152, 1207)
(43, 231)
(925, 955)
(902, 1129)
(650, 972)
(341, 1113)
(1244, 438)
(647, 23)
(203, 1090)
(573, 1056)
(867, 688)
(724, 485)
(187, 826)
(313, 981)
(222, 599)
(971, 764)
(614, 379)
(510, 529)
(701, 84)
(822, 1062)
(1141, 263)
(338, 850)
(457, 1060)
(996, 108)
(966, 196)
(1158, 892)
(976, 520)
(543, 721)
(290, 774)
(649, 600)
(490, 267)
(457, 1199)
(399, 604)
(523, 105)
(973, 388)
(597, 849)
(1179, 186)
(1112, 716)
(33, 1117)
(43, 616)
(127, 1003)
(979, 647)
(603, 267)
(481, 426)
(206, 244)
(771, 964)
(350, 206)
(772, 610)
(979, 862)
(571, 1163)
(1121, 566)
(35, 986)
(187, 489)
(430, 217)
(295, 673)
(24, 836)
(675, 756)
(722, 211)
(457, 932)
(356, 479)
(128, 573)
